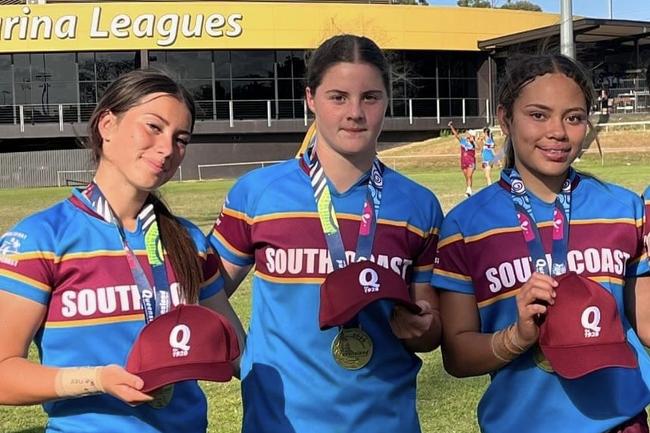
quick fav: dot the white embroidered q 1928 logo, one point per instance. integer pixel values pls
(178, 339)
(369, 280)
(590, 321)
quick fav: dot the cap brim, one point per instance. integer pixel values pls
(157, 378)
(352, 311)
(575, 362)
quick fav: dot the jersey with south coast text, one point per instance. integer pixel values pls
(482, 253)
(71, 260)
(290, 380)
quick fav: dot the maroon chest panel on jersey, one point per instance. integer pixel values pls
(296, 247)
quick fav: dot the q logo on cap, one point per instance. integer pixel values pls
(590, 320)
(369, 280)
(178, 339)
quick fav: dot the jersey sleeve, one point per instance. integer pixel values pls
(26, 261)
(423, 263)
(451, 270)
(231, 234)
(643, 266)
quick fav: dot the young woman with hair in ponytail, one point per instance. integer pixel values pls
(74, 278)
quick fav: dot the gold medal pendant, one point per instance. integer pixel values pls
(352, 348)
(162, 397)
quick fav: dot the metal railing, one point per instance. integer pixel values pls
(233, 111)
(271, 110)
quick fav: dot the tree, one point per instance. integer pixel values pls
(474, 3)
(523, 5)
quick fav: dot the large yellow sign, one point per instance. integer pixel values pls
(230, 25)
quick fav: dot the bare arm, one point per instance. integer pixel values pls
(219, 303)
(637, 306)
(466, 351)
(453, 130)
(23, 382)
(419, 332)
(233, 275)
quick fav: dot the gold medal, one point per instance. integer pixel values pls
(541, 360)
(352, 348)
(162, 397)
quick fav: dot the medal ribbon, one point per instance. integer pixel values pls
(530, 231)
(327, 214)
(157, 300)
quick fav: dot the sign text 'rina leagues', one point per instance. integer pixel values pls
(165, 28)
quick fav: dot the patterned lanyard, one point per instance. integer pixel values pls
(561, 219)
(156, 300)
(327, 214)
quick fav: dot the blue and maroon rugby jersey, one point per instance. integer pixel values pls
(291, 383)
(646, 231)
(68, 258)
(482, 253)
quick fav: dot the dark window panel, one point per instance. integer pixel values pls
(299, 64)
(465, 66)
(421, 88)
(101, 88)
(61, 92)
(23, 93)
(252, 89)
(299, 89)
(59, 66)
(399, 89)
(464, 88)
(87, 92)
(424, 107)
(443, 65)
(285, 63)
(201, 90)
(418, 64)
(252, 64)
(443, 88)
(399, 108)
(21, 68)
(6, 97)
(184, 64)
(285, 89)
(222, 64)
(111, 65)
(222, 90)
(86, 66)
(5, 67)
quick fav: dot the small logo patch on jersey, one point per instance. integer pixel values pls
(10, 246)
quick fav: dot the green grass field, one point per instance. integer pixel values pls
(445, 404)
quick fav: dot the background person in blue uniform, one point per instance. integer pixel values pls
(291, 381)
(74, 277)
(487, 153)
(491, 295)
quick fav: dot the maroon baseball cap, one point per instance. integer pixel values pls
(349, 290)
(189, 342)
(582, 331)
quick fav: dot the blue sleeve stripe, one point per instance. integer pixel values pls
(21, 279)
(451, 284)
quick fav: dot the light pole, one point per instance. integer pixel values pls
(566, 29)
(611, 16)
